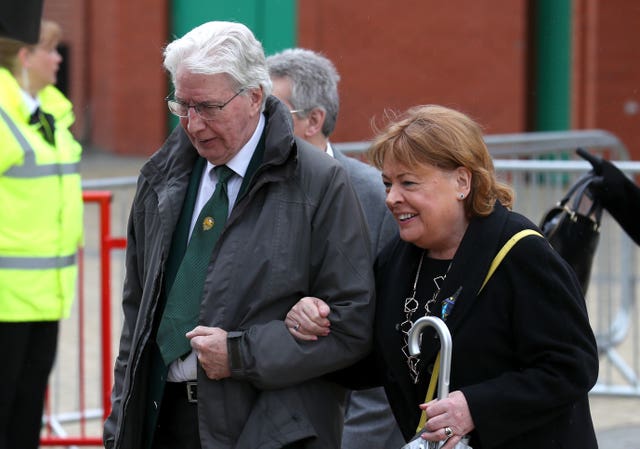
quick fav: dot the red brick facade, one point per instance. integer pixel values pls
(398, 54)
(117, 82)
(468, 54)
(607, 69)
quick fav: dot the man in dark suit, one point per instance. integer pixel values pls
(307, 83)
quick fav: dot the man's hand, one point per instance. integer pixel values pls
(210, 345)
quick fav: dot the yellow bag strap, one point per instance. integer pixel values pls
(492, 268)
(504, 250)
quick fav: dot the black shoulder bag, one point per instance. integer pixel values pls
(573, 228)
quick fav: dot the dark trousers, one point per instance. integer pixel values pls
(27, 352)
(177, 425)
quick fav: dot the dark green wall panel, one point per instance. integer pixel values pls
(552, 43)
(272, 21)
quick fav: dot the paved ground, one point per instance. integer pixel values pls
(620, 438)
(617, 422)
(617, 419)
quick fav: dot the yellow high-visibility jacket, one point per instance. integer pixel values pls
(41, 206)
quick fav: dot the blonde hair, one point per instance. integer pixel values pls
(447, 139)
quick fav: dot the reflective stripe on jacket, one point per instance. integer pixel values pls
(41, 198)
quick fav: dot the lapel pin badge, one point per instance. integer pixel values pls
(208, 223)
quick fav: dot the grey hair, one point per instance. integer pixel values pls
(221, 47)
(314, 82)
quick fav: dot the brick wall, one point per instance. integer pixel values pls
(118, 83)
(607, 95)
(467, 54)
(394, 55)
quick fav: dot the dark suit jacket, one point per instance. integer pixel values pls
(524, 354)
(367, 182)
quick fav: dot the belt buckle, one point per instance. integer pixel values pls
(192, 391)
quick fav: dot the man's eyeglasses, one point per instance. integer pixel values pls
(206, 111)
(298, 111)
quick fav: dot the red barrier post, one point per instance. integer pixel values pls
(107, 244)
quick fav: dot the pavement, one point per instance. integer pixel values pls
(616, 418)
(621, 438)
(617, 421)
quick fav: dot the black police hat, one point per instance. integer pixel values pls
(20, 20)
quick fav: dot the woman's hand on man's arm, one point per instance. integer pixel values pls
(307, 320)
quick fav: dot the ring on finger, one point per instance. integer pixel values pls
(448, 432)
(296, 327)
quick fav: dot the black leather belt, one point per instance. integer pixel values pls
(187, 389)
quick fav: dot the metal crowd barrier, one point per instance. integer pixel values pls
(80, 386)
(540, 166)
(612, 293)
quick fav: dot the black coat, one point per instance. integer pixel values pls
(524, 354)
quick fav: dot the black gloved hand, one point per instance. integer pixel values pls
(617, 194)
(595, 161)
(609, 185)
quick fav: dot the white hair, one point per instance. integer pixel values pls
(221, 47)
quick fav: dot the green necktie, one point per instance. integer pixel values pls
(183, 301)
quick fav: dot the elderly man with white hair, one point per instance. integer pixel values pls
(234, 219)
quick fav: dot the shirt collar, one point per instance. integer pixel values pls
(32, 103)
(329, 150)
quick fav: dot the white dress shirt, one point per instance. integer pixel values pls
(183, 370)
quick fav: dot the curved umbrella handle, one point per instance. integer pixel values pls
(414, 339)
